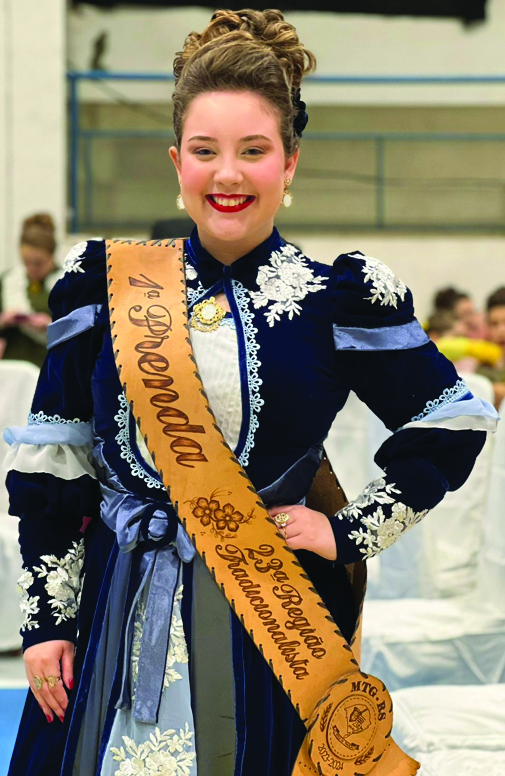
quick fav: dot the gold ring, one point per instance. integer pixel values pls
(38, 682)
(281, 520)
(52, 680)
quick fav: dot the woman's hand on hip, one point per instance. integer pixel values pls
(307, 529)
(50, 659)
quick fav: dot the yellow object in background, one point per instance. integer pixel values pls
(456, 348)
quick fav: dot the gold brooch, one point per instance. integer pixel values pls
(207, 315)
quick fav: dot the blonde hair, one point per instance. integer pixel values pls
(38, 231)
(247, 50)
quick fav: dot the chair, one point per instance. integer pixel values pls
(453, 730)
(427, 562)
(458, 640)
(421, 641)
(17, 380)
(491, 567)
(348, 447)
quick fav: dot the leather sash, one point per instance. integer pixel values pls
(348, 714)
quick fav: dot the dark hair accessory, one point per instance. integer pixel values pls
(301, 117)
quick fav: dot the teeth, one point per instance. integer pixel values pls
(229, 202)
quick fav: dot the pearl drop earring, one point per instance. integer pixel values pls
(180, 202)
(287, 199)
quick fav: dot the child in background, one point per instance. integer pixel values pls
(450, 335)
(460, 305)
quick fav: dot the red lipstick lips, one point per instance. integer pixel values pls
(229, 208)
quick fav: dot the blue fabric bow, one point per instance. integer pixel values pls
(154, 526)
(169, 544)
(302, 117)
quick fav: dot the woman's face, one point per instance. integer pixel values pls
(38, 262)
(231, 169)
(471, 320)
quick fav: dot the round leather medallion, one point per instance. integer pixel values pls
(351, 726)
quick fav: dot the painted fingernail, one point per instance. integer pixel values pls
(62, 719)
(49, 719)
(70, 683)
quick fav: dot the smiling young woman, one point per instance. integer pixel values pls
(232, 183)
(166, 679)
(238, 120)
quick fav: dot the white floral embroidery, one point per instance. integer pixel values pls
(63, 581)
(380, 531)
(28, 604)
(376, 492)
(285, 283)
(446, 397)
(72, 261)
(252, 364)
(177, 649)
(191, 272)
(386, 287)
(39, 417)
(163, 754)
(123, 439)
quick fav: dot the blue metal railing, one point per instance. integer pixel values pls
(85, 137)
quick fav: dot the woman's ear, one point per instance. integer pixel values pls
(290, 166)
(174, 155)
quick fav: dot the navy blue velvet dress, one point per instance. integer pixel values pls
(307, 334)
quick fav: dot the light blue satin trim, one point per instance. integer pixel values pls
(409, 335)
(50, 434)
(74, 323)
(155, 635)
(474, 408)
(123, 512)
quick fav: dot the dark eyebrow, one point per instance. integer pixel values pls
(254, 137)
(242, 140)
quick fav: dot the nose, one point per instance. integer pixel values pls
(228, 174)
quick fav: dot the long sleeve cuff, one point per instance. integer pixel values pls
(54, 514)
(386, 509)
(50, 591)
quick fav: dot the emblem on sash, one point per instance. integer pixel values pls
(352, 727)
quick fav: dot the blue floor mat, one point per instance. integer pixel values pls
(11, 708)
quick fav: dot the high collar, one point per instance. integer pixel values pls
(244, 269)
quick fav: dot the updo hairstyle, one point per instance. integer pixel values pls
(247, 50)
(38, 231)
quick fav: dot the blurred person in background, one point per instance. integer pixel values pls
(24, 293)
(495, 312)
(443, 323)
(460, 305)
(467, 354)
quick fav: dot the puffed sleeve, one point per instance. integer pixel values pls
(439, 427)
(52, 485)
